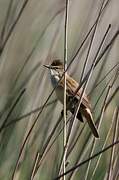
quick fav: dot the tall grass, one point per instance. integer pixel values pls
(31, 126)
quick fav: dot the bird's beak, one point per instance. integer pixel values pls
(47, 66)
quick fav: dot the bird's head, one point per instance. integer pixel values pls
(56, 64)
(56, 68)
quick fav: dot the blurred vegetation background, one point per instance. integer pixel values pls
(32, 34)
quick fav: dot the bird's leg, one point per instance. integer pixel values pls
(72, 105)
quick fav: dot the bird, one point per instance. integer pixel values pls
(57, 79)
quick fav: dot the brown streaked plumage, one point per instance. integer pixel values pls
(56, 71)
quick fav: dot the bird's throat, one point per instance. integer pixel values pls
(54, 77)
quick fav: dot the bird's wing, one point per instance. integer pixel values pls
(72, 85)
(85, 110)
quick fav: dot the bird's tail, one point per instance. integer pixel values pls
(87, 114)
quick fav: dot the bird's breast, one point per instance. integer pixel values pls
(59, 90)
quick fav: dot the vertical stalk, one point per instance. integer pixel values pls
(65, 67)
